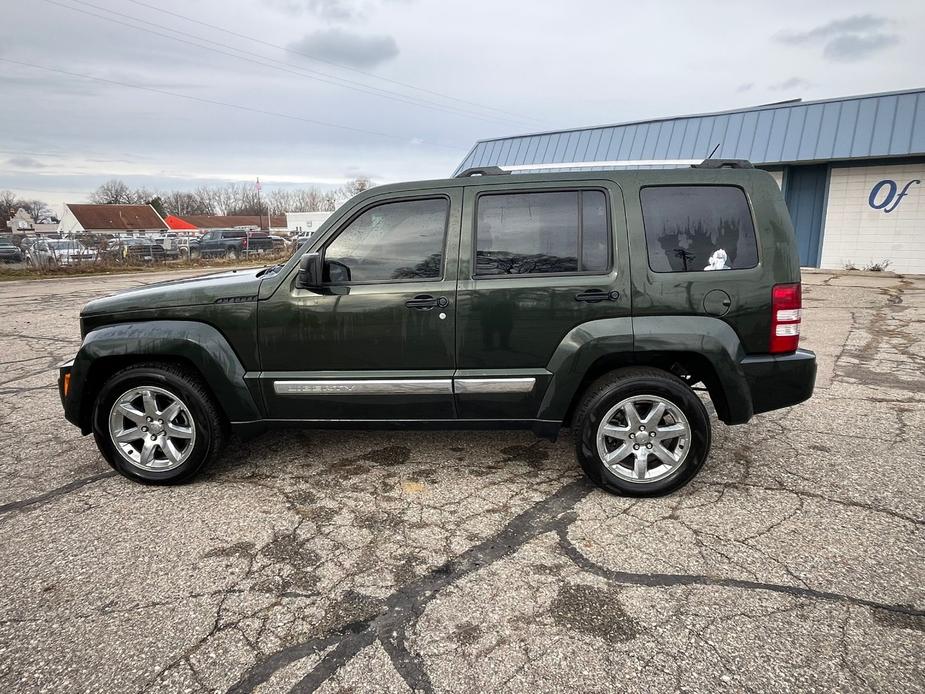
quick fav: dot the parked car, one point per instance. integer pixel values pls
(170, 243)
(279, 243)
(9, 253)
(136, 250)
(595, 300)
(188, 247)
(55, 252)
(233, 243)
(296, 240)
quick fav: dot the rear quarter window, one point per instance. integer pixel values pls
(698, 228)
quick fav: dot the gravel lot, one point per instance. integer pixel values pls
(460, 562)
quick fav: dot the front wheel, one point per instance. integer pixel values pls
(157, 423)
(641, 432)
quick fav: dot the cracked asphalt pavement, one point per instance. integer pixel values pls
(475, 562)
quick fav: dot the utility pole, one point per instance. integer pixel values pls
(260, 208)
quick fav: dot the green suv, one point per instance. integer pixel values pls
(595, 300)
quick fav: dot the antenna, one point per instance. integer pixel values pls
(710, 155)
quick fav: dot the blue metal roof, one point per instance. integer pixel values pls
(874, 125)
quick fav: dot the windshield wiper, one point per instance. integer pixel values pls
(269, 270)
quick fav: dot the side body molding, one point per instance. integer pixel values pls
(580, 348)
(198, 343)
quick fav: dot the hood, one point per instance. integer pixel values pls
(208, 289)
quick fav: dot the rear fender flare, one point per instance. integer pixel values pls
(630, 340)
(579, 349)
(711, 338)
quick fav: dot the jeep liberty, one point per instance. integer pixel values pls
(595, 300)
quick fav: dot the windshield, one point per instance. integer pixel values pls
(65, 245)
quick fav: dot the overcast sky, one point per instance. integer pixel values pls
(312, 92)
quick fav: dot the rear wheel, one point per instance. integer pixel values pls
(641, 432)
(157, 423)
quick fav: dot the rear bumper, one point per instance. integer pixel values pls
(777, 381)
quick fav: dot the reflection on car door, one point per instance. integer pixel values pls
(381, 345)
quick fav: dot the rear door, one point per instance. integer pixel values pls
(380, 346)
(536, 261)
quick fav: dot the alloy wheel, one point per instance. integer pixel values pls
(643, 438)
(152, 428)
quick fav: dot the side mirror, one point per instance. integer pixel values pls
(309, 276)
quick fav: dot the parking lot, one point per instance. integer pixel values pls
(458, 562)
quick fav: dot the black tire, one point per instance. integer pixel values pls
(210, 425)
(616, 386)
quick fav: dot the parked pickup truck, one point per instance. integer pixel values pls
(233, 243)
(596, 300)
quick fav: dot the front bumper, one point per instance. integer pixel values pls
(780, 380)
(66, 391)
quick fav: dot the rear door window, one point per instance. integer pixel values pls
(557, 232)
(698, 228)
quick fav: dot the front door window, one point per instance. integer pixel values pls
(393, 242)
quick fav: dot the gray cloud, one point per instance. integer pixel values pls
(25, 163)
(854, 47)
(791, 83)
(329, 10)
(860, 23)
(848, 39)
(745, 87)
(345, 47)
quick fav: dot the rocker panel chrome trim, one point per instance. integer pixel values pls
(413, 386)
(494, 385)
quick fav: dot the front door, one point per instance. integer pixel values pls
(380, 346)
(536, 262)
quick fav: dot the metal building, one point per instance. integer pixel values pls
(851, 168)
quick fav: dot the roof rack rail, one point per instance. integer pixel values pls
(724, 164)
(483, 171)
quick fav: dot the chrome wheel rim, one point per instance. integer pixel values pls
(643, 439)
(152, 429)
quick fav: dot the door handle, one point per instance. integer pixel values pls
(426, 302)
(593, 296)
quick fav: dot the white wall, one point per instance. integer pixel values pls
(69, 223)
(856, 233)
(305, 221)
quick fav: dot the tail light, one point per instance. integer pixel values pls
(787, 312)
(244, 243)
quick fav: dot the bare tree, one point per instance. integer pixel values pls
(113, 192)
(354, 187)
(9, 203)
(37, 209)
(329, 202)
(306, 200)
(280, 201)
(181, 202)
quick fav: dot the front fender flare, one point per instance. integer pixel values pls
(199, 344)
